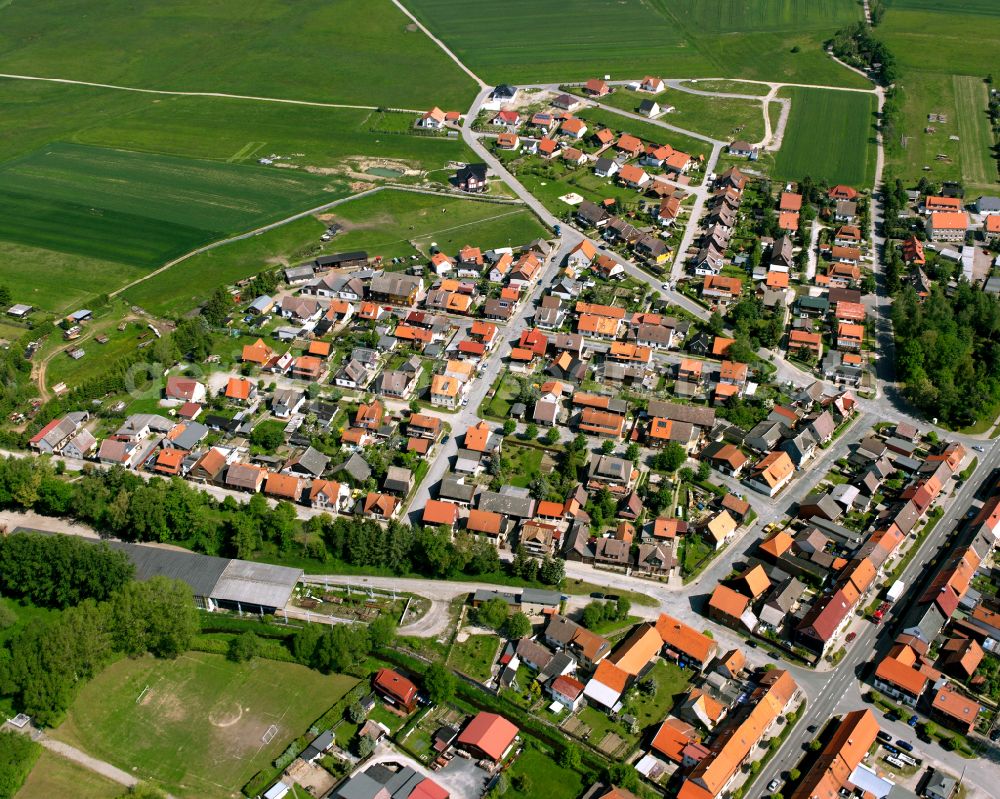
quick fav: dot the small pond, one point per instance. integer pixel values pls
(384, 172)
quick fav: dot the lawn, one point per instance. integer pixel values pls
(474, 656)
(943, 51)
(402, 223)
(647, 131)
(187, 284)
(723, 118)
(829, 137)
(198, 728)
(346, 51)
(543, 778)
(63, 369)
(978, 164)
(525, 463)
(58, 281)
(671, 681)
(729, 86)
(54, 776)
(579, 39)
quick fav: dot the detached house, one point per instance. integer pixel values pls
(772, 473)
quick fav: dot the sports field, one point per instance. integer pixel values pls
(141, 209)
(54, 776)
(723, 118)
(829, 137)
(528, 41)
(346, 51)
(198, 729)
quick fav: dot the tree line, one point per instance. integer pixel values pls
(42, 666)
(60, 571)
(856, 45)
(120, 503)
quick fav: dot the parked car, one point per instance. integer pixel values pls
(851, 637)
(913, 721)
(883, 736)
(904, 745)
(994, 734)
(772, 786)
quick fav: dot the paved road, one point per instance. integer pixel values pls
(840, 691)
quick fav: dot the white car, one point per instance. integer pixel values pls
(772, 786)
(665, 287)
(979, 449)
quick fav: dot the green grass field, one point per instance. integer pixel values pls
(647, 131)
(382, 223)
(387, 222)
(185, 285)
(57, 281)
(527, 41)
(545, 778)
(215, 129)
(944, 50)
(54, 776)
(829, 136)
(474, 656)
(141, 209)
(346, 51)
(978, 164)
(723, 118)
(197, 730)
(729, 86)
(63, 369)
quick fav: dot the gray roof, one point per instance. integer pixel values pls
(256, 583)
(693, 414)
(357, 467)
(200, 572)
(360, 786)
(189, 437)
(452, 488)
(539, 596)
(398, 478)
(310, 460)
(519, 507)
(606, 466)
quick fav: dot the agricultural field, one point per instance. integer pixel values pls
(583, 38)
(54, 776)
(829, 137)
(345, 51)
(141, 209)
(194, 725)
(723, 118)
(321, 140)
(944, 51)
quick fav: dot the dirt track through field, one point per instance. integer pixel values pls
(223, 95)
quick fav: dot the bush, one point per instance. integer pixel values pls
(18, 754)
(244, 647)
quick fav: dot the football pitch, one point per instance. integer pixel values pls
(196, 725)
